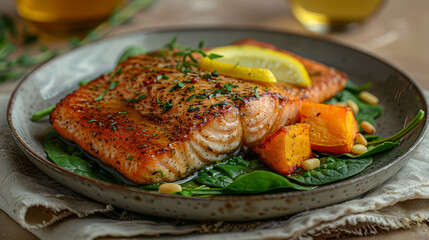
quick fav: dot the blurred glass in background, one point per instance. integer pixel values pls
(66, 16)
(324, 16)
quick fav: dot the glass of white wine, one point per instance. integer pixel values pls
(66, 16)
(324, 16)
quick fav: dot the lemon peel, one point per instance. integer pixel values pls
(256, 63)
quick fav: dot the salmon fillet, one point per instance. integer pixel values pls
(154, 123)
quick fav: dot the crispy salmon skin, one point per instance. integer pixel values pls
(154, 122)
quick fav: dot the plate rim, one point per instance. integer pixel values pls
(323, 188)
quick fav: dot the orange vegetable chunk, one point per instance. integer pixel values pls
(286, 149)
(332, 128)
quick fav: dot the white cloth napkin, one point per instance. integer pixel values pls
(51, 211)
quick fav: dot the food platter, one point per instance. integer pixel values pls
(400, 97)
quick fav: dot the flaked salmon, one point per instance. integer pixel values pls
(154, 122)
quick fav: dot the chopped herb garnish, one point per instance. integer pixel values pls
(187, 53)
(111, 87)
(215, 74)
(162, 76)
(178, 85)
(201, 44)
(160, 172)
(266, 89)
(191, 88)
(192, 109)
(190, 98)
(236, 64)
(236, 96)
(130, 158)
(95, 134)
(133, 78)
(118, 71)
(162, 53)
(122, 112)
(38, 115)
(129, 129)
(174, 151)
(220, 104)
(214, 55)
(226, 89)
(92, 120)
(173, 88)
(207, 75)
(154, 135)
(84, 82)
(135, 99)
(256, 92)
(166, 105)
(171, 44)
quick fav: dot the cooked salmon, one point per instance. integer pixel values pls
(156, 122)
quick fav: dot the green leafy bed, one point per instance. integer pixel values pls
(246, 174)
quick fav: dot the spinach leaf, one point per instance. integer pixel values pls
(223, 174)
(354, 88)
(331, 101)
(334, 169)
(261, 181)
(213, 178)
(72, 159)
(233, 171)
(130, 52)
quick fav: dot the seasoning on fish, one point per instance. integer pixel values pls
(144, 128)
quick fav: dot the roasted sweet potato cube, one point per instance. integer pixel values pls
(332, 128)
(286, 149)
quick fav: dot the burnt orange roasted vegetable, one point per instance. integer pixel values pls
(286, 149)
(332, 128)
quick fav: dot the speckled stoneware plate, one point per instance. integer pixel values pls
(45, 86)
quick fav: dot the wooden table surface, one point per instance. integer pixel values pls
(397, 33)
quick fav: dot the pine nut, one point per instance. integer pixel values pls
(368, 98)
(359, 149)
(310, 164)
(360, 139)
(169, 188)
(367, 127)
(351, 104)
(341, 104)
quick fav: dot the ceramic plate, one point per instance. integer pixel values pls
(399, 95)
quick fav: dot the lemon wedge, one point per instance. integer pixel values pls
(256, 63)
